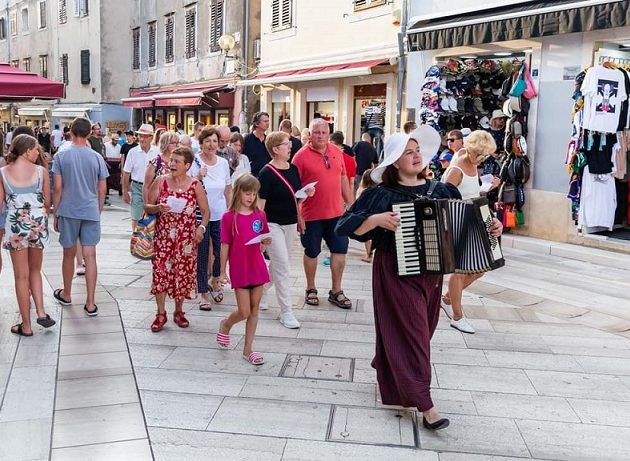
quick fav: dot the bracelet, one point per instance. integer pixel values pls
(203, 227)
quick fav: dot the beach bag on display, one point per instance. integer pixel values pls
(530, 90)
(520, 218)
(507, 194)
(142, 239)
(520, 85)
(509, 218)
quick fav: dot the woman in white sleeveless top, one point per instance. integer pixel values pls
(462, 173)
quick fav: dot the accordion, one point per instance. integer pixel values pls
(445, 236)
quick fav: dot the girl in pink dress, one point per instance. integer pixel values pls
(241, 224)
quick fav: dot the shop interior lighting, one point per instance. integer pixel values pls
(528, 51)
(470, 56)
(503, 53)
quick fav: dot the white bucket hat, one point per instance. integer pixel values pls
(145, 128)
(428, 140)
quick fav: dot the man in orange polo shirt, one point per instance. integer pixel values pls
(323, 162)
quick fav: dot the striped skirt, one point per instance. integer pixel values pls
(406, 313)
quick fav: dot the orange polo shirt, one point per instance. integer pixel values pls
(327, 203)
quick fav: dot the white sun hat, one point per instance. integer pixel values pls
(428, 140)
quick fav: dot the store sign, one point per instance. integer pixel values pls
(117, 125)
(570, 72)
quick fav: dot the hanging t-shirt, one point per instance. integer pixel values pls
(604, 92)
(598, 200)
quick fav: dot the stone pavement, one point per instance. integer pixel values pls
(546, 376)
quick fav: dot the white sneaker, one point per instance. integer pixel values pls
(463, 325)
(289, 321)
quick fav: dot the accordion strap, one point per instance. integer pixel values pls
(432, 186)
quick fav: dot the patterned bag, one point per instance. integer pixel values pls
(142, 239)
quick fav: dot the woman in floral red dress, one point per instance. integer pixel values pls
(175, 197)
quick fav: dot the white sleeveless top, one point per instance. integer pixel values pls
(469, 187)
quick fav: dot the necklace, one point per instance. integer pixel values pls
(178, 186)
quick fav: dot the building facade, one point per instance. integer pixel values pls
(74, 41)
(557, 40)
(182, 69)
(331, 59)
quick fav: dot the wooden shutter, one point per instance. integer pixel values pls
(169, 37)
(152, 44)
(42, 15)
(216, 23)
(63, 63)
(43, 65)
(63, 12)
(286, 13)
(3, 28)
(135, 38)
(275, 14)
(191, 35)
(85, 67)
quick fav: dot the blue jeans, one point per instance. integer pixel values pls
(213, 233)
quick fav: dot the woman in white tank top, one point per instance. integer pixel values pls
(462, 173)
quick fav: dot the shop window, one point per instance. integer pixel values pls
(13, 23)
(365, 4)
(81, 8)
(152, 44)
(135, 38)
(322, 109)
(279, 111)
(42, 15)
(25, 22)
(3, 28)
(169, 37)
(63, 64)
(281, 14)
(26, 64)
(85, 67)
(216, 23)
(63, 12)
(191, 32)
(43, 65)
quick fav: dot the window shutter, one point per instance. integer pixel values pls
(216, 23)
(152, 44)
(43, 65)
(169, 31)
(77, 7)
(63, 63)
(42, 15)
(191, 36)
(136, 48)
(84, 8)
(85, 67)
(286, 13)
(3, 29)
(275, 14)
(63, 12)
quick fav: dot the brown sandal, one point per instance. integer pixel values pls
(339, 299)
(311, 298)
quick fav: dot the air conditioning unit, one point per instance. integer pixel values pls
(256, 51)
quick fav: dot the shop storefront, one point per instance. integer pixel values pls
(557, 40)
(31, 115)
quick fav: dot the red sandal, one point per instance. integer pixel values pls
(159, 322)
(180, 319)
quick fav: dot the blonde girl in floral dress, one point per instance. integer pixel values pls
(25, 191)
(175, 197)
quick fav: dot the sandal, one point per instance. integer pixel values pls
(159, 322)
(217, 296)
(17, 330)
(179, 317)
(223, 340)
(205, 305)
(311, 298)
(46, 321)
(90, 313)
(255, 358)
(60, 300)
(339, 299)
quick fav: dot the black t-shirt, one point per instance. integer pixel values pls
(256, 152)
(126, 147)
(365, 156)
(296, 145)
(44, 141)
(279, 205)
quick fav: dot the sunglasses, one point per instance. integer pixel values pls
(326, 162)
(452, 139)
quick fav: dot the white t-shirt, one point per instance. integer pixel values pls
(8, 138)
(137, 161)
(604, 91)
(57, 136)
(112, 151)
(243, 167)
(598, 201)
(214, 182)
(194, 145)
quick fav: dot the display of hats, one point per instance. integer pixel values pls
(484, 122)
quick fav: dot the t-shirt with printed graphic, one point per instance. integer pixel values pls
(604, 92)
(247, 265)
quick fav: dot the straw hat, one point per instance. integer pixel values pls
(428, 140)
(145, 128)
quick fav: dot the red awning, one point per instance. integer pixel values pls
(16, 84)
(181, 96)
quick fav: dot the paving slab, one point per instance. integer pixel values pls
(179, 411)
(372, 426)
(317, 367)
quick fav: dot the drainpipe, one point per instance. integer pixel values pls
(402, 64)
(244, 108)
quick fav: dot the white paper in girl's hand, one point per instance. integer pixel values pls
(259, 238)
(486, 182)
(302, 192)
(177, 204)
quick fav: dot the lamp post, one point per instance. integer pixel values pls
(402, 63)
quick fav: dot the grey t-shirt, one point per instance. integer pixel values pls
(80, 168)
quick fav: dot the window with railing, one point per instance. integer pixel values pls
(216, 23)
(365, 4)
(15, 63)
(169, 37)
(42, 15)
(43, 65)
(281, 14)
(191, 31)
(26, 64)
(63, 12)
(135, 39)
(152, 44)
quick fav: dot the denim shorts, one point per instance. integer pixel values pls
(87, 232)
(316, 231)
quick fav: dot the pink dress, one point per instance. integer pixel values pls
(247, 265)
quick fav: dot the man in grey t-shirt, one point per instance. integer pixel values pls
(80, 186)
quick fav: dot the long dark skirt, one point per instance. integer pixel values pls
(406, 313)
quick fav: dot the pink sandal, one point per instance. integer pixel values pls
(223, 340)
(255, 358)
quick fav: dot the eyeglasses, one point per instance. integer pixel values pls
(453, 139)
(174, 143)
(326, 162)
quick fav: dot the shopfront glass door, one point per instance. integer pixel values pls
(322, 109)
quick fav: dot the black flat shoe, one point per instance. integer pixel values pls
(436, 426)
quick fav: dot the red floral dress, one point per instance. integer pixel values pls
(175, 248)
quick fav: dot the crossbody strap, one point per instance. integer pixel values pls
(432, 186)
(286, 183)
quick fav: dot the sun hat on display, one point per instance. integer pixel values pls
(498, 113)
(428, 140)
